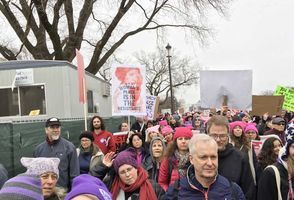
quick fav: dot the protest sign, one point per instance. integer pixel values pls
(267, 104)
(232, 88)
(152, 103)
(289, 97)
(120, 138)
(128, 90)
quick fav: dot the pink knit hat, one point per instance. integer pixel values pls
(237, 123)
(251, 127)
(163, 123)
(182, 132)
(152, 129)
(166, 130)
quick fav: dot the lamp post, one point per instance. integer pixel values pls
(168, 48)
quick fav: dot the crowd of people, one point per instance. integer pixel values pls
(189, 156)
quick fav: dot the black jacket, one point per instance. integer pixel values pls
(267, 187)
(233, 165)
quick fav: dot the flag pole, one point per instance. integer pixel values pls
(129, 122)
(85, 104)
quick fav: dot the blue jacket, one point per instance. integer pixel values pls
(190, 188)
(69, 164)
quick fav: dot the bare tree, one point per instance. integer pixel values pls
(157, 78)
(54, 29)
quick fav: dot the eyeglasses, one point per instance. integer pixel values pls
(220, 136)
(124, 172)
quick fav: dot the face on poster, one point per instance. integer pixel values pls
(128, 90)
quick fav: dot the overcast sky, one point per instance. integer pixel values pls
(256, 34)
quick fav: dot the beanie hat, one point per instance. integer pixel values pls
(237, 123)
(251, 127)
(87, 184)
(40, 165)
(22, 186)
(289, 134)
(127, 156)
(87, 134)
(163, 123)
(182, 132)
(152, 129)
(166, 130)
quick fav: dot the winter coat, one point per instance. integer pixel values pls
(190, 188)
(267, 186)
(151, 167)
(233, 165)
(88, 159)
(167, 177)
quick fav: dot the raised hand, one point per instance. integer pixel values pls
(108, 159)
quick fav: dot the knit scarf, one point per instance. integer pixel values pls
(183, 159)
(142, 182)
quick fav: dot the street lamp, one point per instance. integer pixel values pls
(168, 48)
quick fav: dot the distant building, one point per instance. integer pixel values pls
(48, 88)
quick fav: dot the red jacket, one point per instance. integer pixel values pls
(164, 178)
(104, 141)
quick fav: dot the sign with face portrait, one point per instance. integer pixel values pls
(128, 90)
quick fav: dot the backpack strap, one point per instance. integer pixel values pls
(278, 180)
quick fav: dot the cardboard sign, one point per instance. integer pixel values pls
(152, 103)
(289, 97)
(120, 138)
(128, 91)
(264, 104)
(232, 88)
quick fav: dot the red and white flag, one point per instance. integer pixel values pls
(81, 77)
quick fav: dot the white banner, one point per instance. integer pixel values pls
(128, 90)
(151, 107)
(231, 86)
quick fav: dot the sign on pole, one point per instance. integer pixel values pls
(152, 103)
(232, 88)
(128, 90)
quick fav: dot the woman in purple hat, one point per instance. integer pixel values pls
(126, 179)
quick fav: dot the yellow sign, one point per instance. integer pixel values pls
(289, 97)
(34, 112)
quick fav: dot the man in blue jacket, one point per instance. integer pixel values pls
(203, 181)
(56, 146)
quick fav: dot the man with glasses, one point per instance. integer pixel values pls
(231, 162)
(56, 146)
(278, 128)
